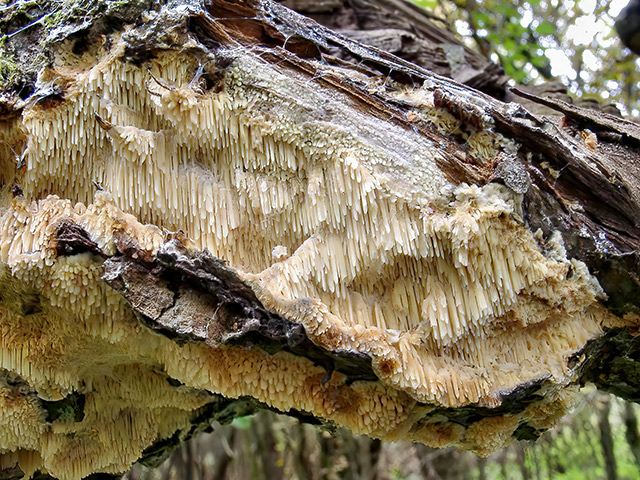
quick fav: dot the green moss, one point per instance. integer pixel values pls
(42, 24)
(9, 72)
(69, 409)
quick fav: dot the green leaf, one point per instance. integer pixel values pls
(426, 4)
(510, 44)
(538, 61)
(519, 75)
(481, 18)
(516, 29)
(507, 10)
(545, 28)
(509, 68)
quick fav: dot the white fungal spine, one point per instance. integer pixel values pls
(447, 292)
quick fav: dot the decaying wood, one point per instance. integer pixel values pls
(410, 33)
(174, 332)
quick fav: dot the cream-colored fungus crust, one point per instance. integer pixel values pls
(338, 221)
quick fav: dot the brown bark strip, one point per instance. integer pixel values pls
(73, 239)
(197, 298)
(599, 121)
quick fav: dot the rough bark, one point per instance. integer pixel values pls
(171, 330)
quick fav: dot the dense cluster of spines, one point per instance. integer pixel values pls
(244, 184)
(370, 250)
(57, 342)
(239, 186)
(21, 421)
(61, 350)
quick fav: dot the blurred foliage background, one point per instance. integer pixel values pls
(541, 40)
(536, 41)
(600, 440)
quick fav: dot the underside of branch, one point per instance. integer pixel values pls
(227, 206)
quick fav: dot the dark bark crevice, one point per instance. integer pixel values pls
(195, 297)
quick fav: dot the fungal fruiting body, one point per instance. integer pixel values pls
(337, 220)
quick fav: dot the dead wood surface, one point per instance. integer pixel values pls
(588, 192)
(578, 172)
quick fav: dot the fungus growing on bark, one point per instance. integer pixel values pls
(364, 284)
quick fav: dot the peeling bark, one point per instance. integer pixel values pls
(199, 299)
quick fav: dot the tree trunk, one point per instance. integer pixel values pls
(606, 439)
(482, 470)
(631, 430)
(207, 210)
(521, 458)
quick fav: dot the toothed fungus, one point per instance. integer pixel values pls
(334, 221)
